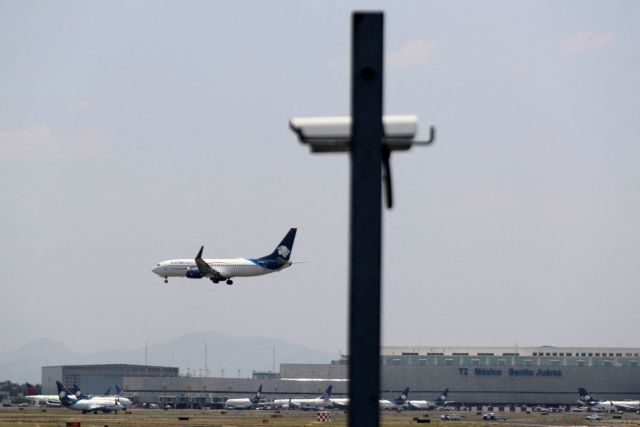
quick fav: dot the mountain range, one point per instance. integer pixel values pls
(226, 356)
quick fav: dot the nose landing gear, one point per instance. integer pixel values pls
(166, 280)
(229, 282)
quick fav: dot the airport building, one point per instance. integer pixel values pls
(95, 379)
(473, 375)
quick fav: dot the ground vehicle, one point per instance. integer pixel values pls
(488, 417)
(594, 417)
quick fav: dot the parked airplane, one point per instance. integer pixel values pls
(41, 399)
(340, 402)
(245, 402)
(322, 401)
(428, 404)
(224, 269)
(397, 403)
(88, 404)
(123, 400)
(606, 405)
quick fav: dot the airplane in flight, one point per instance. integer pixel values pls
(218, 270)
(397, 403)
(245, 402)
(606, 405)
(428, 404)
(80, 402)
(314, 403)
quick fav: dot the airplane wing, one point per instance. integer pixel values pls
(206, 268)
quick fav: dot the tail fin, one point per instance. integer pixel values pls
(402, 398)
(118, 390)
(31, 390)
(107, 392)
(63, 394)
(258, 395)
(443, 396)
(327, 393)
(585, 396)
(284, 249)
(76, 391)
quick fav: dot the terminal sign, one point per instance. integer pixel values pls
(491, 372)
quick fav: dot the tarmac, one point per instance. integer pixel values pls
(63, 417)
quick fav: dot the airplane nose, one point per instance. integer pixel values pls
(156, 269)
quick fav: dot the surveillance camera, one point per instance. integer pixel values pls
(326, 134)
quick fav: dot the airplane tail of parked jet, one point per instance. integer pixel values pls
(63, 394)
(402, 398)
(31, 390)
(443, 398)
(327, 393)
(585, 397)
(256, 399)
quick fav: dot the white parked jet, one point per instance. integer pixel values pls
(314, 403)
(397, 403)
(86, 404)
(606, 405)
(224, 269)
(245, 402)
(428, 404)
(41, 399)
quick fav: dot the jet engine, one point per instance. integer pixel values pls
(194, 273)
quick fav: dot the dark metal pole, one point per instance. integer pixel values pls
(366, 219)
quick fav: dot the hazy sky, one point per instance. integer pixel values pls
(133, 132)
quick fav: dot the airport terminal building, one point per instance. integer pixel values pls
(473, 375)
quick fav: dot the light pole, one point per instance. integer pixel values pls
(370, 139)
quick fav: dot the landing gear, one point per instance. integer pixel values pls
(229, 282)
(214, 280)
(166, 280)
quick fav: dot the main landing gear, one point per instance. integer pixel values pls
(166, 280)
(214, 280)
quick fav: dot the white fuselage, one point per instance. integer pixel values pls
(242, 403)
(303, 403)
(387, 404)
(100, 403)
(421, 404)
(44, 399)
(231, 267)
(613, 405)
(340, 402)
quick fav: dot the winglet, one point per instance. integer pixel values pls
(200, 252)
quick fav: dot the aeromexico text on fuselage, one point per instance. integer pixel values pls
(224, 269)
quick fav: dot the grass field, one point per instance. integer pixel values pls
(36, 417)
